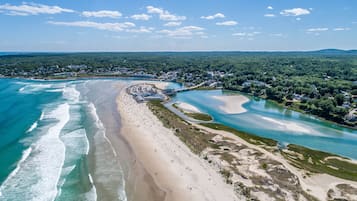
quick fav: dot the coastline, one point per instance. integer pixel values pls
(111, 161)
(178, 172)
(156, 80)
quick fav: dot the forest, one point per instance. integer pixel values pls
(323, 83)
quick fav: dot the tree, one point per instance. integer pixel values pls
(339, 99)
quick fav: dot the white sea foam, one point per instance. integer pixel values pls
(31, 88)
(25, 154)
(42, 115)
(21, 89)
(92, 194)
(107, 163)
(70, 93)
(33, 126)
(39, 173)
(100, 126)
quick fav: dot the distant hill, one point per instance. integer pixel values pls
(335, 51)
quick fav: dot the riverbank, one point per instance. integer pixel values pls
(255, 166)
(296, 109)
(178, 172)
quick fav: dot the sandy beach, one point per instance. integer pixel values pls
(177, 174)
(187, 107)
(174, 168)
(232, 104)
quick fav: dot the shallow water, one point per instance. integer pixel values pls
(48, 130)
(267, 119)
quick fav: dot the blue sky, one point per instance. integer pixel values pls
(181, 25)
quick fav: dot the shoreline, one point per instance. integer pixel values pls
(232, 104)
(292, 109)
(112, 163)
(157, 80)
(186, 107)
(178, 172)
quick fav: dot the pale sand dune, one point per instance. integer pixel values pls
(187, 107)
(174, 168)
(318, 184)
(232, 104)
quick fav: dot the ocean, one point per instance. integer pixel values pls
(48, 132)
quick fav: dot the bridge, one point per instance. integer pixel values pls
(190, 88)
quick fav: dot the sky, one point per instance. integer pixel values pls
(180, 25)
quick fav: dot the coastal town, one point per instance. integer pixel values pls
(337, 103)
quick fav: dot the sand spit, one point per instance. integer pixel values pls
(174, 168)
(187, 107)
(232, 104)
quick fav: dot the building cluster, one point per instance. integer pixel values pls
(73, 71)
(145, 92)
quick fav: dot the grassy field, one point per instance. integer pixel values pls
(301, 157)
(196, 140)
(197, 116)
(253, 139)
(320, 162)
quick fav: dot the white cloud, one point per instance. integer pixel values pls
(211, 17)
(101, 26)
(164, 14)
(186, 31)
(239, 34)
(277, 35)
(270, 8)
(172, 24)
(342, 29)
(295, 12)
(317, 29)
(141, 17)
(26, 9)
(269, 15)
(227, 23)
(102, 13)
(140, 30)
(246, 34)
(298, 19)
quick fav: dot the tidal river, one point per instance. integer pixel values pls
(267, 119)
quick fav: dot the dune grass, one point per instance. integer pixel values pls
(253, 139)
(301, 157)
(321, 162)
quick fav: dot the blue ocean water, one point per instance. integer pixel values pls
(267, 119)
(46, 130)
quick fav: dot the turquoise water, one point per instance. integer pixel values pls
(267, 119)
(46, 131)
(53, 143)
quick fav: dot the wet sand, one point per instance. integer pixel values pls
(112, 162)
(174, 168)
